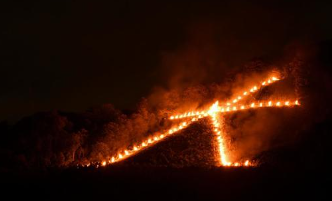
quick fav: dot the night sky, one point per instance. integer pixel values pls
(71, 55)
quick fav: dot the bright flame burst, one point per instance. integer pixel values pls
(230, 106)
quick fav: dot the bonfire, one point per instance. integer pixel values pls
(214, 111)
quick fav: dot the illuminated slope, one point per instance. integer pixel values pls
(190, 147)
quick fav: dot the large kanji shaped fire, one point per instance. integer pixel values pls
(215, 113)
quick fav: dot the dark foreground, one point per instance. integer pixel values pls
(146, 183)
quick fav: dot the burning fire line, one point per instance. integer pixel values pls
(217, 129)
(212, 113)
(121, 155)
(270, 103)
(252, 90)
(223, 160)
(257, 104)
(230, 106)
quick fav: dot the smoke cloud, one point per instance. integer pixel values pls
(219, 57)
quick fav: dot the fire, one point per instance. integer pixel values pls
(256, 88)
(121, 155)
(212, 112)
(219, 139)
(246, 163)
(215, 108)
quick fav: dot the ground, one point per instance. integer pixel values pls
(127, 183)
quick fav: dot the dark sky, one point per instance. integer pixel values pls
(71, 55)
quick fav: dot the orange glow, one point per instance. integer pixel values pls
(217, 130)
(217, 125)
(212, 113)
(246, 163)
(255, 88)
(149, 142)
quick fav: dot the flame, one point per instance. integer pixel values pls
(219, 138)
(147, 143)
(255, 88)
(223, 160)
(214, 108)
(211, 112)
(246, 163)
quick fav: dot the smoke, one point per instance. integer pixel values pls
(218, 57)
(65, 139)
(305, 78)
(197, 74)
